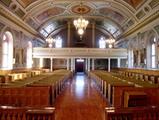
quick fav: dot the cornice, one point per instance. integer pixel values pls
(7, 16)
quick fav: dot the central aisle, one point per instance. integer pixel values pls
(80, 101)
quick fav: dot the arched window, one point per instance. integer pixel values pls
(58, 42)
(7, 51)
(102, 43)
(29, 55)
(153, 54)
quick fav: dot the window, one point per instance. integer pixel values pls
(153, 54)
(44, 33)
(7, 51)
(58, 42)
(102, 43)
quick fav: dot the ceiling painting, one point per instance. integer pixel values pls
(112, 14)
(25, 3)
(135, 3)
(49, 13)
(6, 2)
(81, 9)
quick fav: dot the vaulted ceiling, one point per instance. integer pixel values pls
(116, 17)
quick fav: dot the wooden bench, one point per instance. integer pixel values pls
(27, 113)
(25, 96)
(136, 113)
(37, 91)
(114, 88)
(135, 98)
(147, 75)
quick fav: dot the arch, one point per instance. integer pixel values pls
(7, 51)
(29, 55)
(39, 5)
(152, 49)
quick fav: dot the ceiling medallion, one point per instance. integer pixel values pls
(78, 9)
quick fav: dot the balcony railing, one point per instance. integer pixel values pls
(79, 52)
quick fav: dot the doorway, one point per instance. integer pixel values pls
(79, 65)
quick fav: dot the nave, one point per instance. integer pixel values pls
(80, 101)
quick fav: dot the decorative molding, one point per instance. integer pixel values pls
(78, 53)
(142, 24)
(12, 20)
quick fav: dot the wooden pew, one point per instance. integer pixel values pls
(18, 74)
(137, 113)
(26, 113)
(25, 96)
(116, 88)
(56, 84)
(37, 91)
(147, 75)
(135, 98)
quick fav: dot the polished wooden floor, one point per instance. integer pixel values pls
(80, 101)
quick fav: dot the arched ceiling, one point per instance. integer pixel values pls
(46, 16)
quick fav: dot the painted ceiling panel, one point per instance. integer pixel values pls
(32, 23)
(112, 14)
(135, 3)
(25, 3)
(50, 27)
(6, 2)
(43, 32)
(115, 15)
(110, 27)
(49, 13)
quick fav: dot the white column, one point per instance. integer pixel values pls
(72, 64)
(41, 62)
(108, 64)
(139, 59)
(51, 64)
(68, 64)
(148, 57)
(88, 64)
(130, 59)
(118, 63)
(93, 64)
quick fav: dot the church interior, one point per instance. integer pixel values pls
(79, 60)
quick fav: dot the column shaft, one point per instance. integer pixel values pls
(68, 64)
(93, 34)
(118, 63)
(51, 64)
(68, 34)
(108, 64)
(88, 64)
(93, 64)
(41, 63)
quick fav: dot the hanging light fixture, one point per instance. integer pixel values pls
(80, 23)
(110, 41)
(50, 41)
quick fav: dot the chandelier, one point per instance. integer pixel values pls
(110, 41)
(50, 41)
(80, 23)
